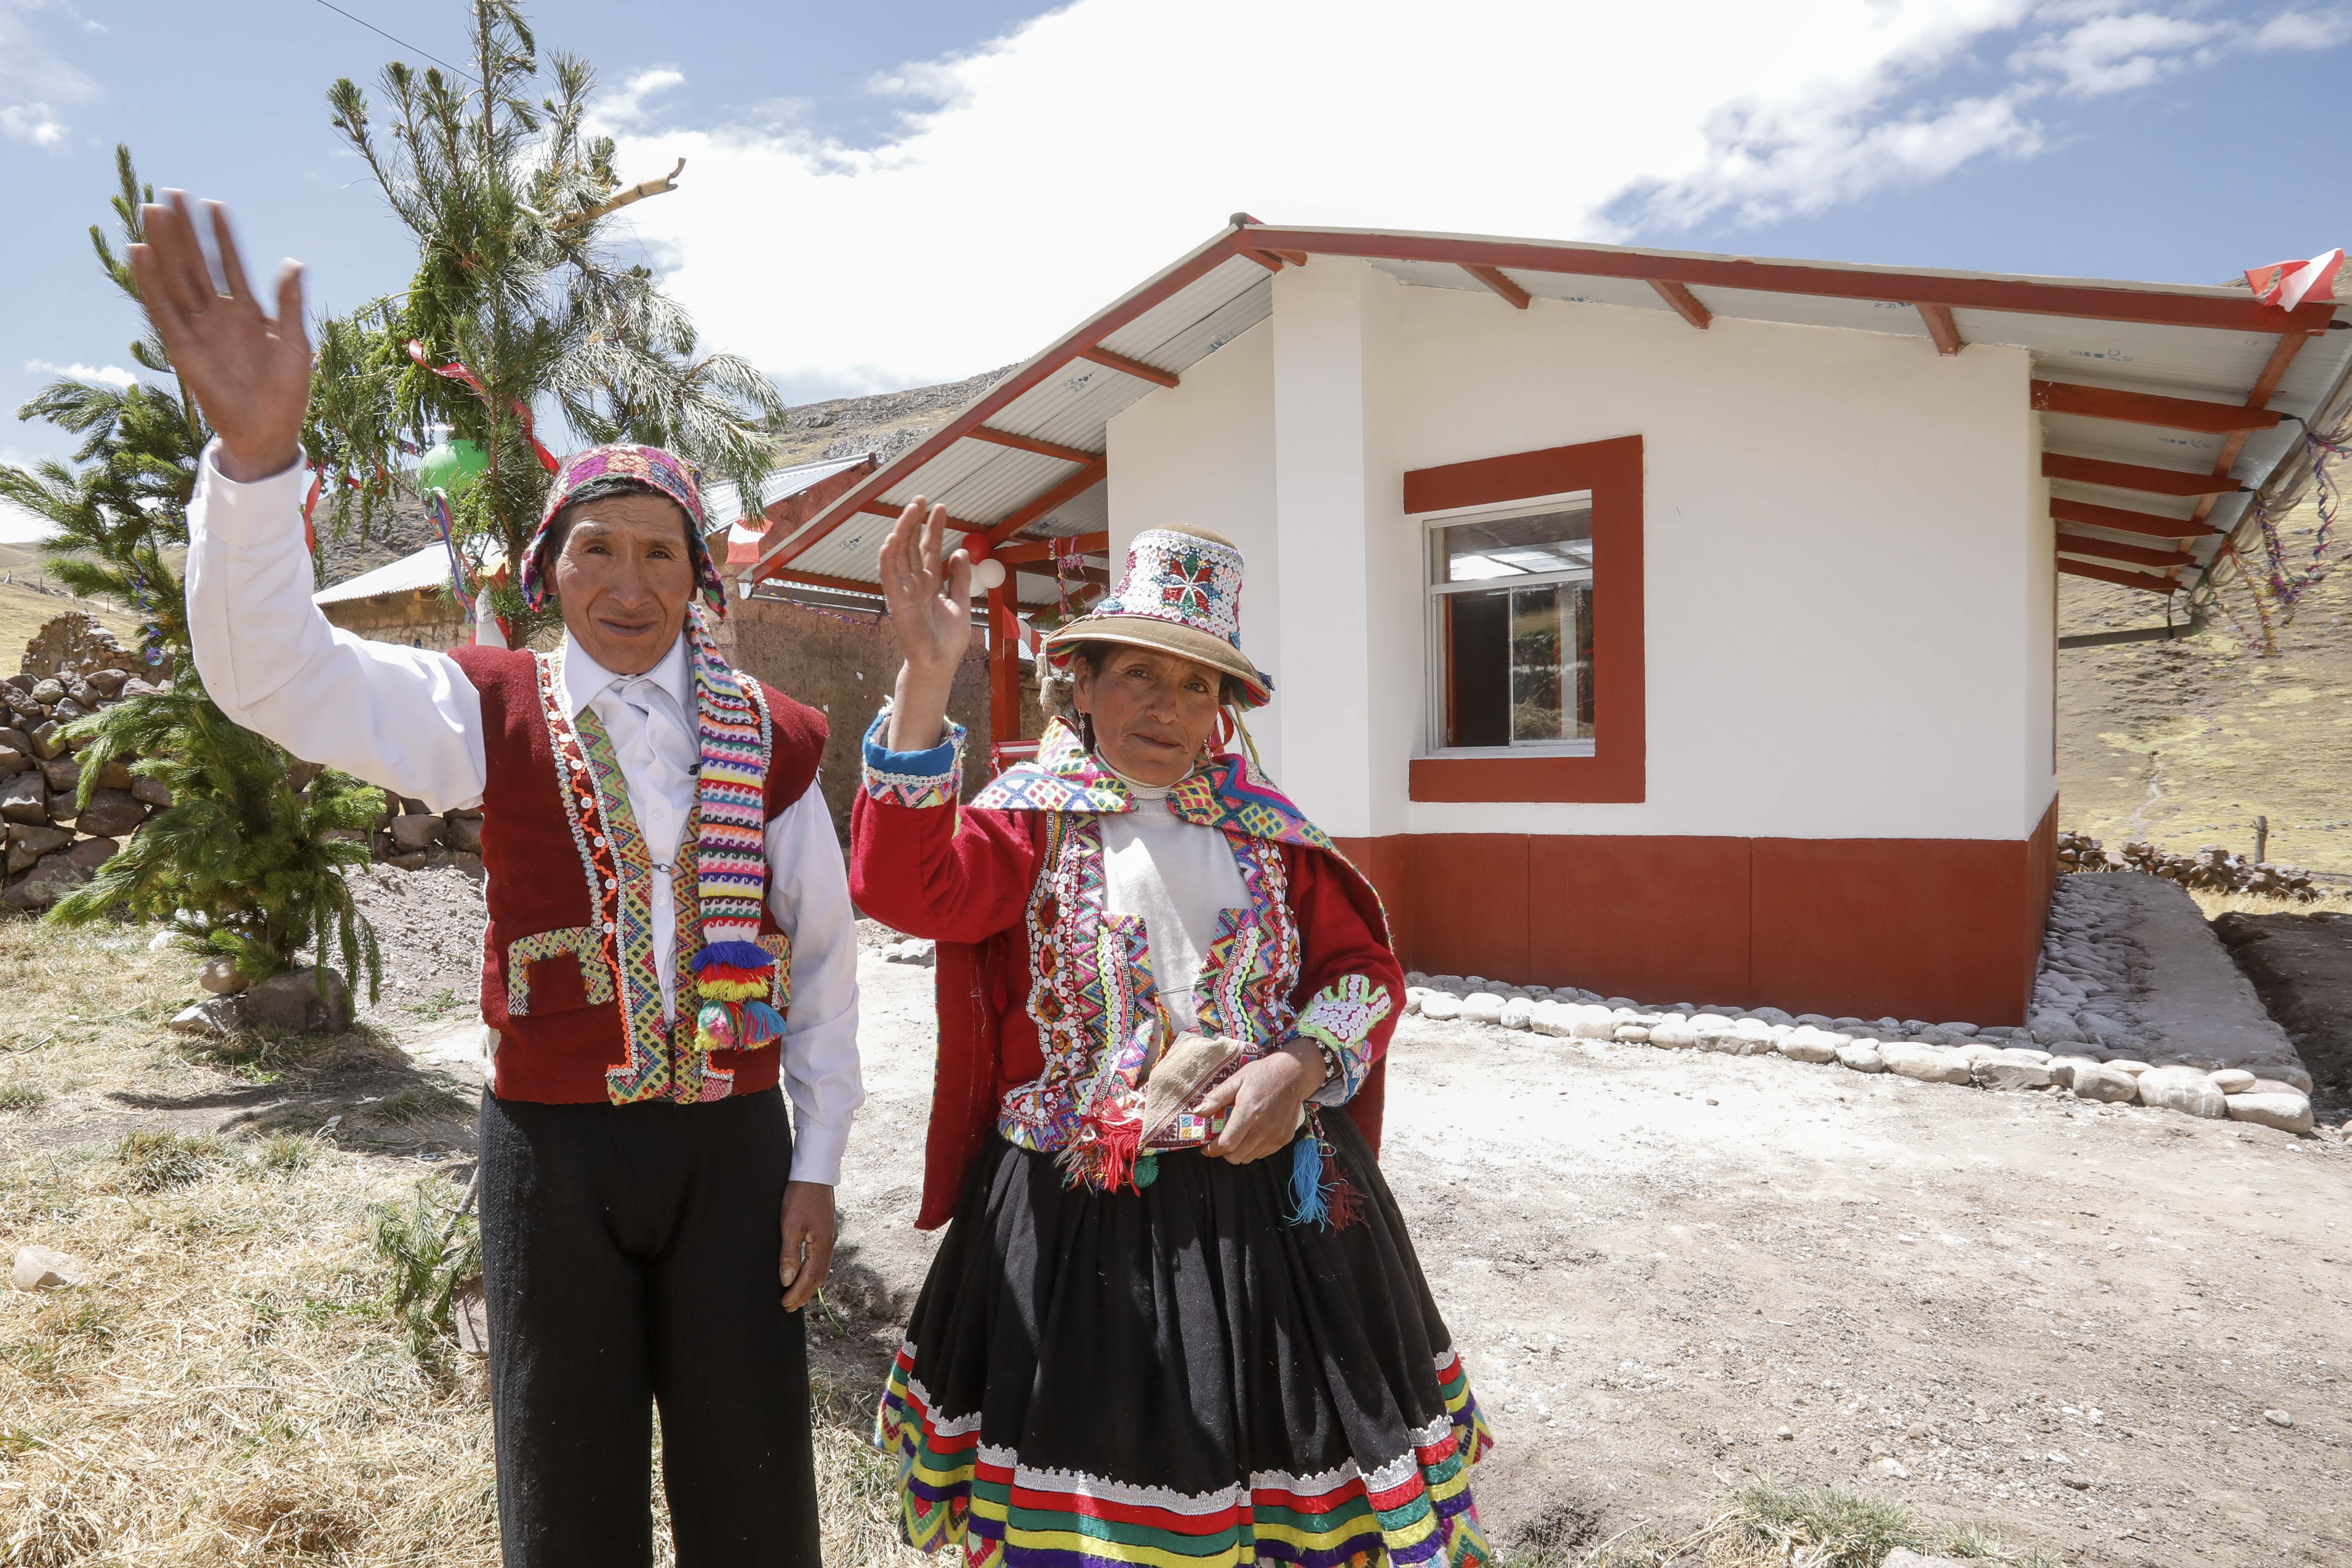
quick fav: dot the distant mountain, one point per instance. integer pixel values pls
(884, 422)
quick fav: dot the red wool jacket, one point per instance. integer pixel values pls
(961, 876)
(557, 1052)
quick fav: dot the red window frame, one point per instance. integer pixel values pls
(1617, 769)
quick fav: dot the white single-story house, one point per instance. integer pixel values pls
(1679, 626)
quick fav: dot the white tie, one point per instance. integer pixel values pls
(658, 750)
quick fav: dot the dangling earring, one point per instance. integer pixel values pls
(1086, 728)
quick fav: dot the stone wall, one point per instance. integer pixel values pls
(843, 664)
(428, 619)
(72, 666)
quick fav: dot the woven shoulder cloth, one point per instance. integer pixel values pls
(1226, 791)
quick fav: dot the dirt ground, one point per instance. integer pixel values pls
(1668, 1270)
(1656, 1260)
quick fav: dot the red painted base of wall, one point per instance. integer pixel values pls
(1939, 928)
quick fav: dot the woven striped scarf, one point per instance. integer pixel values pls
(733, 974)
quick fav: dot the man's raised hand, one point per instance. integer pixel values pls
(930, 609)
(250, 372)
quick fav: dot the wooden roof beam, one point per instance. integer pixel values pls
(1492, 277)
(2108, 550)
(1265, 259)
(2116, 576)
(2265, 387)
(1942, 328)
(2148, 408)
(2134, 477)
(1069, 489)
(891, 508)
(1031, 443)
(1043, 549)
(1685, 303)
(2124, 521)
(1134, 367)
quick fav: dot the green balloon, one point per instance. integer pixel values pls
(452, 467)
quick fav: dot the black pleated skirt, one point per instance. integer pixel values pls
(1181, 1376)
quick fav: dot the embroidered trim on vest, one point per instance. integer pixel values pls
(917, 790)
(1340, 1018)
(579, 942)
(1092, 990)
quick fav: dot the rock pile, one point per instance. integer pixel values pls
(2087, 1035)
(411, 831)
(2212, 868)
(73, 667)
(913, 950)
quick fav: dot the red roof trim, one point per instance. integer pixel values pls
(2018, 294)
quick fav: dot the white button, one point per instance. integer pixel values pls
(608, 925)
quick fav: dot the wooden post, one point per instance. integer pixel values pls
(1003, 666)
(2262, 840)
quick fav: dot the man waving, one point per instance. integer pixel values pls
(669, 936)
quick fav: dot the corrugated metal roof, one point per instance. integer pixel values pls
(723, 503)
(427, 568)
(2171, 340)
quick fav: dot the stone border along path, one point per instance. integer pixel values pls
(2136, 1002)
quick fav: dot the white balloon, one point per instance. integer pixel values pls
(988, 575)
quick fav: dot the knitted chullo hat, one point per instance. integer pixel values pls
(1181, 594)
(647, 466)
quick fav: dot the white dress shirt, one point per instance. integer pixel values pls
(409, 721)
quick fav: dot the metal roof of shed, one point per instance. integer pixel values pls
(427, 568)
(2147, 342)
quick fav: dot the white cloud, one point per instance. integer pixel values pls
(113, 375)
(1033, 179)
(33, 79)
(2304, 30)
(2116, 53)
(35, 122)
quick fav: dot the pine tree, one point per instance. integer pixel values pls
(509, 199)
(244, 862)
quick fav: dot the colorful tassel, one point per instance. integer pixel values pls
(761, 1023)
(1105, 1155)
(1320, 1192)
(1310, 1204)
(713, 1030)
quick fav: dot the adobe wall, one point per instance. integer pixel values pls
(843, 665)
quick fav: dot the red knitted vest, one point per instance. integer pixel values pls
(547, 986)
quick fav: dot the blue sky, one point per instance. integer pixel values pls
(899, 192)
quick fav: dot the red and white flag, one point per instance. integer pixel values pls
(2287, 284)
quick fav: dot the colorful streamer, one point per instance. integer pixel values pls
(456, 371)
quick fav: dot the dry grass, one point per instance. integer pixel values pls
(2214, 904)
(1767, 1524)
(233, 1386)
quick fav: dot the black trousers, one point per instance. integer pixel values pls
(629, 1258)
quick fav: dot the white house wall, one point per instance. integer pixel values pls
(1202, 455)
(1848, 563)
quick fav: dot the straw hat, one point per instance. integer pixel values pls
(1181, 594)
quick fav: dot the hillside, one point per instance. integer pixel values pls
(2186, 742)
(884, 422)
(23, 609)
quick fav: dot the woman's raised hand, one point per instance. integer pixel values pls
(930, 608)
(250, 372)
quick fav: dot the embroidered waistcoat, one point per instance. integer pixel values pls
(1100, 1021)
(569, 981)
(1092, 996)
